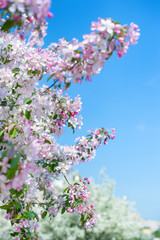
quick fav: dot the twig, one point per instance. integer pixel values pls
(66, 180)
(61, 71)
(50, 86)
(39, 203)
(8, 105)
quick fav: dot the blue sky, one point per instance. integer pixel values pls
(124, 96)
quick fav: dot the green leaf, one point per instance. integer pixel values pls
(70, 125)
(77, 203)
(65, 189)
(16, 194)
(19, 193)
(25, 187)
(12, 191)
(54, 116)
(78, 51)
(15, 70)
(2, 133)
(64, 195)
(44, 165)
(7, 207)
(76, 183)
(28, 114)
(29, 72)
(12, 131)
(63, 210)
(4, 102)
(73, 129)
(32, 214)
(54, 167)
(63, 99)
(4, 153)
(73, 60)
(49, 168)
(29, 234)
(15, 161)
(67, 85)
(82, 219)
(17, 216)
(50, 77)
(10, 128)
(27, 101)
(36, 72)
(44, 214)
(12, 106)
(18, 205)
(14, 167)
(8, 25)
(47, 141)
(8, 143)
(14, 234)
(19, 24)
(25, 214)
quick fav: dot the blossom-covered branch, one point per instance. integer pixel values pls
(31, 117)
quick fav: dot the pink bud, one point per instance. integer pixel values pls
(50, 15)
(49, 184)
(113, 130)
(16, 18)
(22, 37)
(112, 136)
(121, 39)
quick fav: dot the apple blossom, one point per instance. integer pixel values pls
(31, 116)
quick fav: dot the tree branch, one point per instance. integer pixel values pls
(66, 180)
(50, 86)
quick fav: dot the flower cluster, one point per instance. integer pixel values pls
(32, 117)
(36, 8)
(77, 201)
(125, 35)
(79, 60)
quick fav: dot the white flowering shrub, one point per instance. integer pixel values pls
(117, 219)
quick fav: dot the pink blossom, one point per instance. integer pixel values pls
(4, 165)
(3, 3)
(112, 136)
(53, 210)
(16, 18)
(50, 15)
(121, 40)
(113, 130)
(8, 216)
